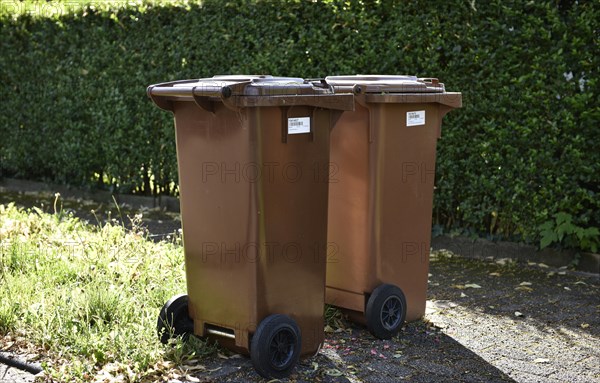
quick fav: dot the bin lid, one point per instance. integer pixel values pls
(386, 84)
(251, 90)
(240, 85)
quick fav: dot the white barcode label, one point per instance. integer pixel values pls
(415, 118)
(298, 125)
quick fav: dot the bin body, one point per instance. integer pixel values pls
(381, 189)
(253, 203)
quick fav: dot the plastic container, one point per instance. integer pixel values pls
(253, 154)
(381, 195)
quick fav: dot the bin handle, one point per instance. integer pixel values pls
(360, 95)
(229, 93)
(203, 93)
(201, 98)
(430, 80)
(158, 101)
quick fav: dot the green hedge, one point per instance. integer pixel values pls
(523, 148)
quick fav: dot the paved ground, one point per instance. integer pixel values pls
(490, 321)
(13, 375)
(523, 324)
(485, 323)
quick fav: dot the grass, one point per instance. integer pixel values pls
(85, 297)
(57, 8)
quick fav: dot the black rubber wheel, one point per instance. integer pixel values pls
(275, 346)
(386, 311)
(174, 319)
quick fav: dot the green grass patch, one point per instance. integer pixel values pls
(58, 8)
(87, 297)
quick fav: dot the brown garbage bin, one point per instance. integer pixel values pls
(252, 153)
(381, 195)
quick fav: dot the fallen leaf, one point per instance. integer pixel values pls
(551, 273)
(460, 287)
(523, 288)
(585, 325)
(529, 263)
(519, 314)
(567, 288)
(541, 360)
(328, 328)
(545, 266)
(399, 355)
(167, 365)
(562, 273)
(193, 368)
(463, 295)
(525, 284)
(495, 274)
(373, 351)
(192, 379)
(333, 372)
(580, 283)
(472, 286)
(222, 356)
(315, 366)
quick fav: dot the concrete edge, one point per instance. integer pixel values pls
(164, 202)
(480, 248)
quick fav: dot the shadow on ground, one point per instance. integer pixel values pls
(486, 322)
(422, 353)
(535, 323)
(547, 298)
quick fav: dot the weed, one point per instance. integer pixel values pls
(334, 318)
(88, 296)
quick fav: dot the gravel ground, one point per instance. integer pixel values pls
(13, 375)
(485, 322)
(522, 324)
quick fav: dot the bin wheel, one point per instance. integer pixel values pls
(174, 319)
(275, 346)
(386, 311)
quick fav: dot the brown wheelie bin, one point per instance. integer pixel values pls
(252, 153)
(381, 195)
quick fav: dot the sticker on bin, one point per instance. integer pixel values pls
(298, 125)
(415, 118)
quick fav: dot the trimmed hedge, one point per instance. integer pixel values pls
(523, 148)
